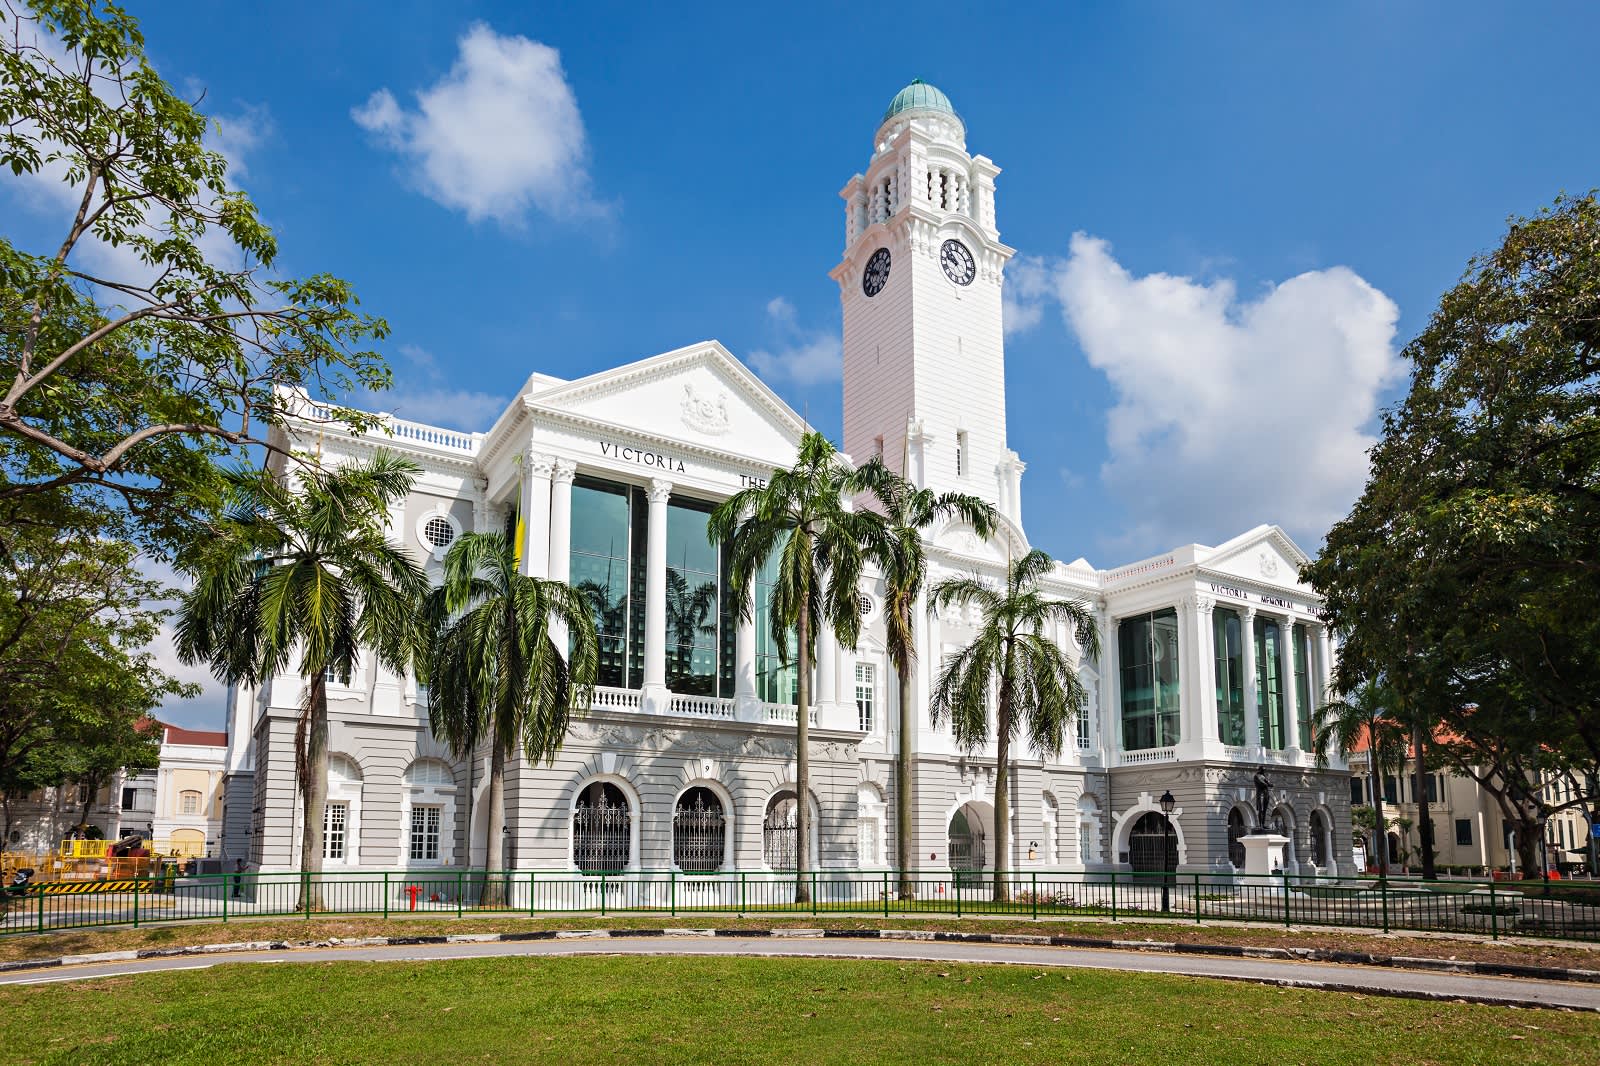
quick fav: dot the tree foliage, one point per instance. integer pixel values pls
(300, 578)
(154, 335)
(1466, 574)
(799, 520)
(910, 514)
(1013, 665)
(494, 669)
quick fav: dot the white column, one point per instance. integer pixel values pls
(536, 469)
(561, 477)
(1252, 709)
(1111, 686)
(1291, 698)
(746, 700)
(1206, 683)
(1187, 645)
(655, 600)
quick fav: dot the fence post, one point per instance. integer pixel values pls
(886, 893)
(955, 884)
(386, 894)
(672, 892)
(305, 894)
(1494, 911)
(1197, 899)
(459, 874)
(1035, 876)
(40, 890)
(1113, 895)
(602, 895)
(136, 902)
(741, 893)
(1383, 889)
(1285, 899)
(813, 893)
(531, 876)
(224, 898)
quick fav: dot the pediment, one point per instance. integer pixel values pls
(961, 540)
(1265, 555)
(700, 395)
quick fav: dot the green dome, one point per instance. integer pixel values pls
(919, 96)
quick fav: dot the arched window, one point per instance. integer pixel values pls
(1051, 814)
(699, 831)
(870, 829)
(1235, 838)
(602, 829)
(1088, 829)
(1319, 839)
(778, 831)
(189, 802)
(429, 811)
(966, 840)
(341, 818)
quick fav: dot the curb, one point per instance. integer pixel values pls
(1353, 958)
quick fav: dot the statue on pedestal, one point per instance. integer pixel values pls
(1263, 798)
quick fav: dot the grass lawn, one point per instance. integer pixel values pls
(581, 1010)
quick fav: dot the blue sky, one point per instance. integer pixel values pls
(1271, 199)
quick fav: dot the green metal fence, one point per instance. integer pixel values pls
(1569, 910)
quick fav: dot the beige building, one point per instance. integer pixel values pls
(1470, 828)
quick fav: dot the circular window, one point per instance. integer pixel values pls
(865, 603)
(439, 531)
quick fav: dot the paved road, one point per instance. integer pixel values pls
(1368, 980)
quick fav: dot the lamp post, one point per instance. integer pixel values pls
(1167, 805)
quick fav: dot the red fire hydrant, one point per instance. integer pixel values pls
(413, 891)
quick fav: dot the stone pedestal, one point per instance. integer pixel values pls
(1264, 853)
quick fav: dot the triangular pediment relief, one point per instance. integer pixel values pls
(961, 540)
(700, 395)
(1265, 555)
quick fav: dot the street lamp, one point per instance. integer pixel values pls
(1167, 806)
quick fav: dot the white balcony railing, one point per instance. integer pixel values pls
(615, 699)
(784, 712)
(701, 706)
(1147, 755)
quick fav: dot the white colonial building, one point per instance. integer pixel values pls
(1211, 660)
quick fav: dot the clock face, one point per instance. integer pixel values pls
(957, 262)
(876, 276)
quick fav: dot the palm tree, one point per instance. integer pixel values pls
(910, 512)
(1364, 716)
(800, 518)
(493, 669)
(1036, 686)
(305, 570)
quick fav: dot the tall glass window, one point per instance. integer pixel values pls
(1148, 654)
(638, 576)
(1227, 637)
(693, 595)
(1269, 682)
(1302, 684)
(775, 682)
(599, 569)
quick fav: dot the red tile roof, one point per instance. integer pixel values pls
(205, 738)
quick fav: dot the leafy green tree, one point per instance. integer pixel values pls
(911, 513)
(301, 576)
(1465, 575)
(77, 617)
(1034, 687)
(494, 669)
(155, 335)
(799, 517)
(1364, 716)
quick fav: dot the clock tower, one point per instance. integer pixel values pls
(920, 281)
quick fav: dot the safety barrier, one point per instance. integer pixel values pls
(1569, 910)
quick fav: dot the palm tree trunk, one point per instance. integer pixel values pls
(802, 761)
(1424, 822)
(1002, 789)
(1379, 829)
(314, 790)
(903, 803)
(494, 855)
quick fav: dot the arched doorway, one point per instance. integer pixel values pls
(967, 844)
(1236, 838)
(779, 831)
(1146, 841)
(1394, 849)
(699, 831)
(602, 829)
(1319, 839)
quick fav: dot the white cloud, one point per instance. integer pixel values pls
(1230, 411)
(423, 395)
(209, 709)
(803, 357)
(497, 135)
(1027, 285)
